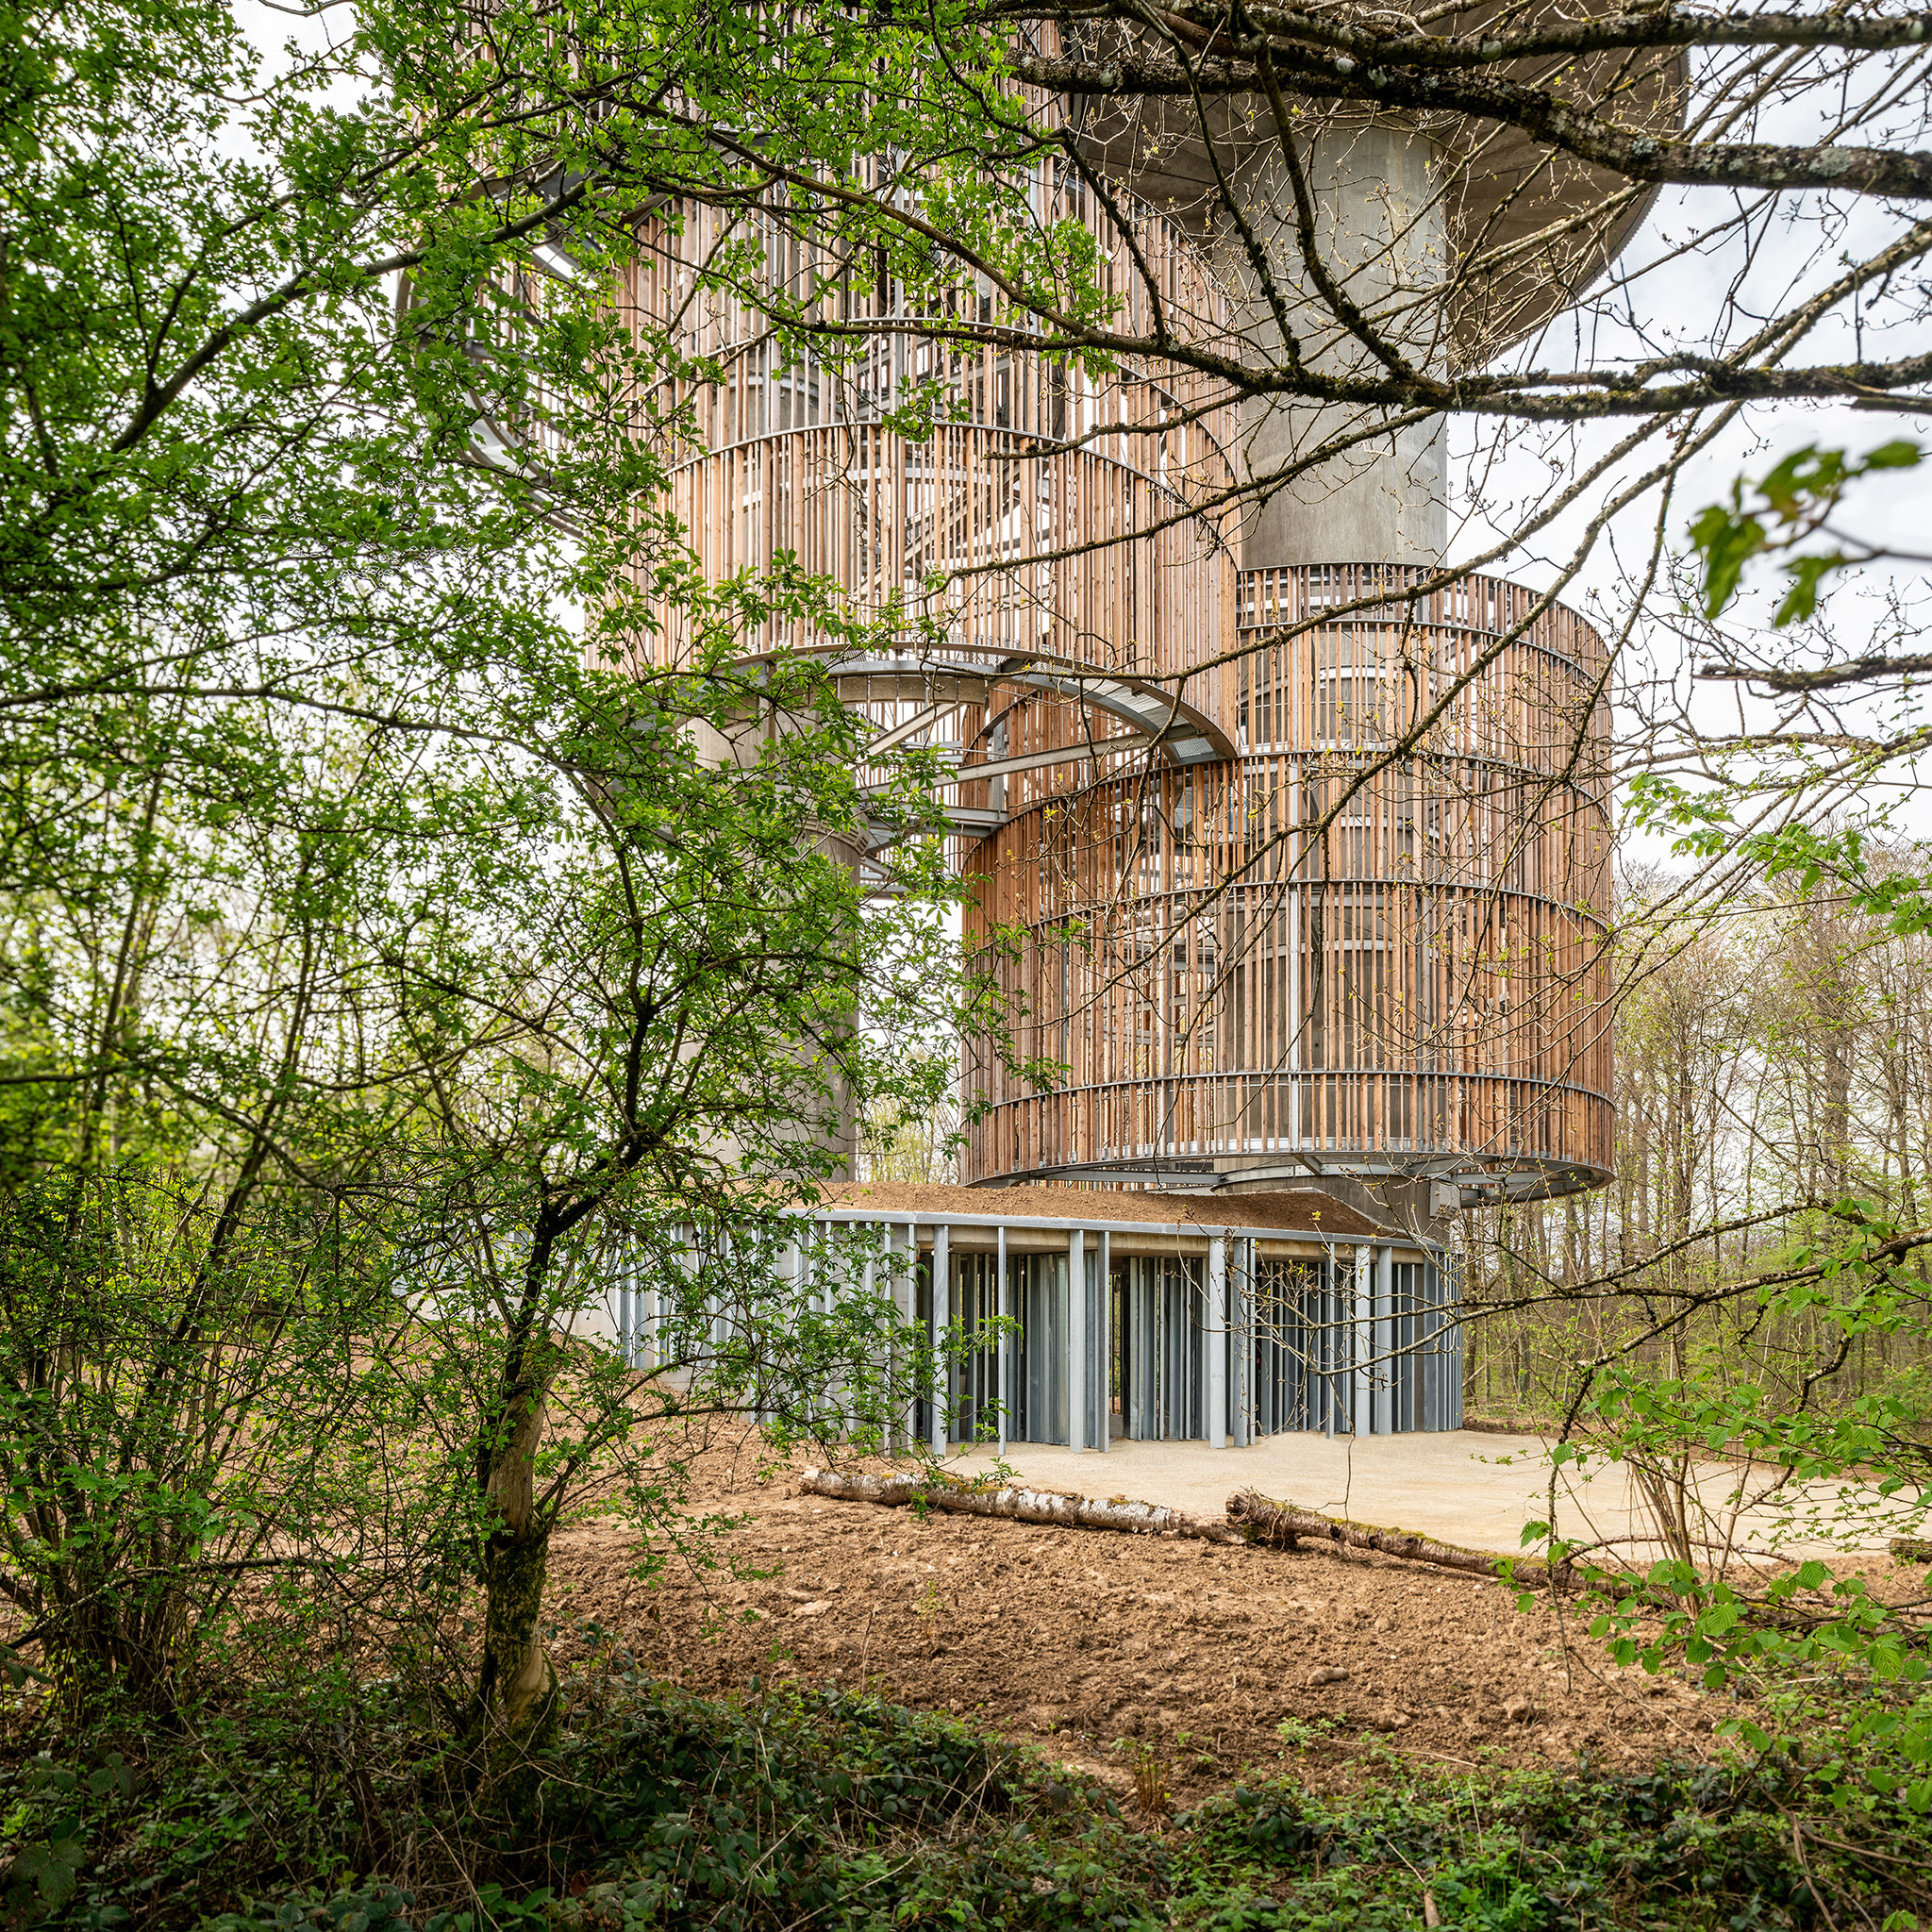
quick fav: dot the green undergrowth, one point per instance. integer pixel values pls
(817, 1807)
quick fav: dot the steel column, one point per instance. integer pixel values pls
(1000, 1304)
(1214, 1343)
(942, 1322)
(1076, 1339)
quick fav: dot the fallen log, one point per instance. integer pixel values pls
(1283, 1527)
(965, 1498)
(1253, 1521)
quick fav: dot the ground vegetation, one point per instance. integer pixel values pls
(732, 1758)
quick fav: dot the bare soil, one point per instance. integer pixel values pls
(1102, 1645)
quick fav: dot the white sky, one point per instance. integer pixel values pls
(1677, 300)
(1682, 302)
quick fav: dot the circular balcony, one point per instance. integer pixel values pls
(1371, 942)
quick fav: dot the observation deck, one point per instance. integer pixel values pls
(1371, 944)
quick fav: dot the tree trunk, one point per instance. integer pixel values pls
(517, 1701)
(1251, 1518)
(1283, 1527)
(1022, 1505)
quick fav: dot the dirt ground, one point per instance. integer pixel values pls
(1221, 1660)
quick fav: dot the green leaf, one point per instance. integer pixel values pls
(1798, 495)
(1728, 541)
(1801, 600)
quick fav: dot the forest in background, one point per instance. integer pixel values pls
(1771, 1061)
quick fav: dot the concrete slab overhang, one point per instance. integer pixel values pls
(1293, 1223)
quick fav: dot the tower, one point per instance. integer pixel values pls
(1299, 851)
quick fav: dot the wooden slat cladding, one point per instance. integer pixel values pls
(1327, 947)
(1373, 938)
(991, 536)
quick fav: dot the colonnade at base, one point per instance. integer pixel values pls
(1082, 1317)
(1225, 1346)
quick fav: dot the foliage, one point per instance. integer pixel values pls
(1720, 1391)
(1740, 1327)
(1795, 500)
(757, 1809)
(344, 894)
(1677, 1845)
(1848, 1473)
(658, 1806)
(182, 1410)
(630, 1043)
(1802, 803)
(1720, 1394)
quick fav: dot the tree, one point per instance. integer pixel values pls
(631, 1044)
(320, 437)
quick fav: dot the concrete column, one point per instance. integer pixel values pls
(1335, 1335)
(817, 1297)
(942, 1322)
(1436, 1406)
(794, 1275)
(1215, 1343)
(654, 1300)
(1379, 234)
(1000, 1304)
(1076, 1339)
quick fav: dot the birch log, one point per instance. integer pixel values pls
(1253, 1521)
(1281, 1525)
(1019, 1505)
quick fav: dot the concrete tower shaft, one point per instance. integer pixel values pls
(1361, 245)
(1355, 254)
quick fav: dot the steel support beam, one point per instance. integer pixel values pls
(1214, 1344)
(1076, 1339)
(941, 1324)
